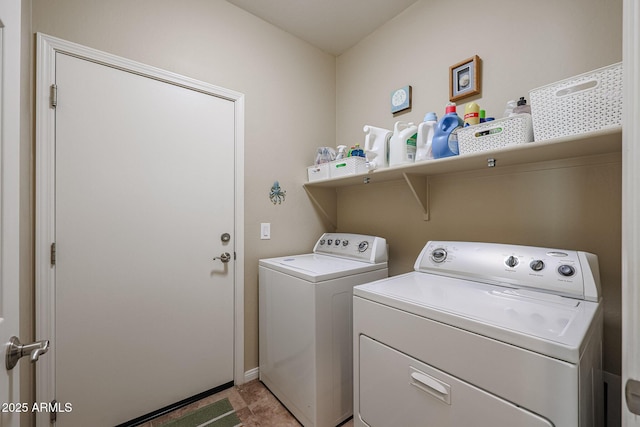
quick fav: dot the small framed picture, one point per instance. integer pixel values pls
(401, 99)
(464, 79)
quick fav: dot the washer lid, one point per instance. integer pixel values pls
(318, 268)
(548, 324)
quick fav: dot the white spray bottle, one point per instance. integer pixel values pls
(426, 130)
(402, 146)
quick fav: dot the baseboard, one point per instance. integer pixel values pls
(613, 399)
(252, 374)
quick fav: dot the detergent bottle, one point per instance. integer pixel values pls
(402, 146)
(426, 130)
(376, 146)
(471, 114)
(445, 138)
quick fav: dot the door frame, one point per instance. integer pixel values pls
(47, 48)
(11, 139)
(630, 203)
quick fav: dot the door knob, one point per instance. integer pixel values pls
(16, 350)
(225, 257)
(632, 394)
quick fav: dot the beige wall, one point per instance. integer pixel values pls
(298, 98)
(289, 103)
(523, 45)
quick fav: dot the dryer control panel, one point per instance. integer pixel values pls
(563, 272)
(353, 246)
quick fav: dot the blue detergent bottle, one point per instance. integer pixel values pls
(445, 138)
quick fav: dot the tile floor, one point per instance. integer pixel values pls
(254, 405)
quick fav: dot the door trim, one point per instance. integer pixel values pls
(13, 136)
(47, 48)
(630, 203)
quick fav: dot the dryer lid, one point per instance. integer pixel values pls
(548, 324)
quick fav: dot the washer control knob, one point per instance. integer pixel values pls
(330, 241)
(438, 255)
(537, 265)
(512, 261)
(345, 243)
(337, 242)
(322, 242)
(363, 246)
(566, 270)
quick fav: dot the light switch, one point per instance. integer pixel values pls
(265, 231)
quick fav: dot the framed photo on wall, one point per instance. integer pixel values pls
(464, 79)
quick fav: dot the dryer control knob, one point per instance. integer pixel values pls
(566, 270)
(512, 261)
(363, 246)
(438, 255)
(345, 242)
(537, 265)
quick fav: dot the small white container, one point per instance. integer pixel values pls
(495, 134)
(585, 103)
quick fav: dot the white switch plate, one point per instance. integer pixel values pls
(265, 231)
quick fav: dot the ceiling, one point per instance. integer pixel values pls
(331, 25)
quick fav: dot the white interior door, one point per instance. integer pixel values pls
(9, 203)
(144, 190)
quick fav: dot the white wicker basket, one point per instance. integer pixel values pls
(318, 172)
(584, 103)
(348, 166)
(495, 134)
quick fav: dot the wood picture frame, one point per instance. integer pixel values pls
(464, 78)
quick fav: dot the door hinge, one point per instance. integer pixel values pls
(53, 254)
(53, 415)
(53, 95)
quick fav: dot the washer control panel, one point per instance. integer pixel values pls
(360, 247)
(563, 272)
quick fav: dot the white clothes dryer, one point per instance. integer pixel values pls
(305, 320)
(483, 335)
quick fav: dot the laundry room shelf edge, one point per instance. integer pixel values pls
(607, 141)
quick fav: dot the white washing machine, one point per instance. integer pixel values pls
(305, 320)
(483, 335)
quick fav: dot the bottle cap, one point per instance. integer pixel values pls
(430, 117)
(483, 114)
(450, 108)
(522, 101)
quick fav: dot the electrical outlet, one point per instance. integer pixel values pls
(265, 231)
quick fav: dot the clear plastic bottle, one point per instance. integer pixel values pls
(522, 107)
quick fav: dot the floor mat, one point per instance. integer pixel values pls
(218, 414)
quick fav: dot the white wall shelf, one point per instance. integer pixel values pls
(323, 193)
